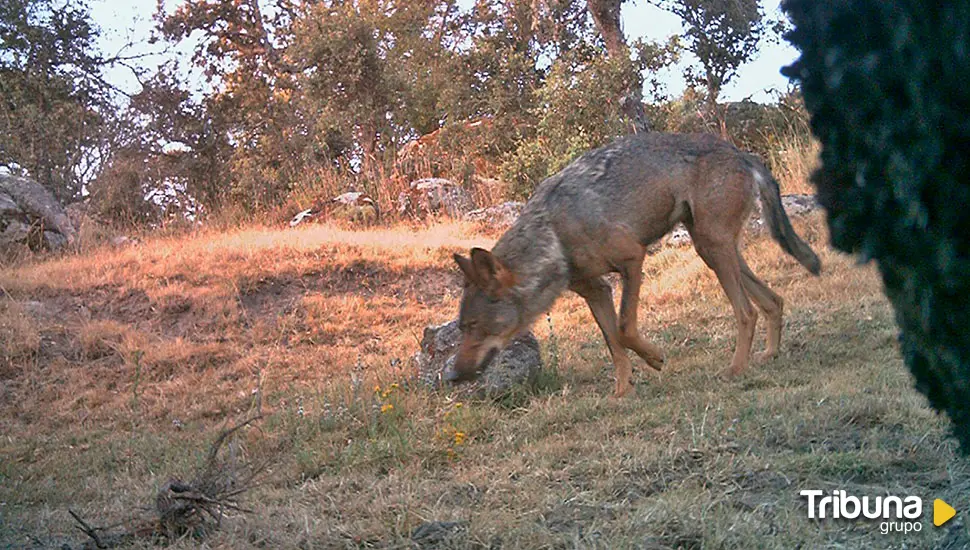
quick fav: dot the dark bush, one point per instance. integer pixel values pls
(886, 84)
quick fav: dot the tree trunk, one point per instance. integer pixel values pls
(606, 16)
(720, 116)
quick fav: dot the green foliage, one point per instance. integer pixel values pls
(342, 86)
(140, 181)
(577, 111)
(886, 85)
(723, 34)
(118, 195)
(54, 106)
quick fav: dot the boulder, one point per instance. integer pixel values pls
(800, 205)
(434, 197)
(516, 364)
(498, 216)
(14, 232)
(355, 207)
(8, 207)
(302, 216)
(54, 240)
(26, 205)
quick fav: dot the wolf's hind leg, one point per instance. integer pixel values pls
(630, 337)
(721, 255)
(599, 297)
(770, 303)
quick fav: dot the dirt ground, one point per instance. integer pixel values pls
(119, 367)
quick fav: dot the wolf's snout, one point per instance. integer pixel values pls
(450, 374)
(453, 375)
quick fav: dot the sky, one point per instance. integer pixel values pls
(124, 21)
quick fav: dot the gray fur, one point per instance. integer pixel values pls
(597, 216)
(777, 219)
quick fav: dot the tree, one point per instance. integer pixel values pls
(54, 104)
(893, 175)
(319, 85)
(241, 51)
(172, 159)
(606, 15)
(723, 34)
(303, 88)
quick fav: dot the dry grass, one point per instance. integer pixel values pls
(792, 161)
(120, 366)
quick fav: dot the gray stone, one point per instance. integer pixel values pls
(54, 240)
(500, 215)
(8, 207)
(800, 205)
(678, 236)
(434, 196)
(38, 204)
(516, 364)
(16, 232)
(356, 207)
(300, 217)
(795, 206)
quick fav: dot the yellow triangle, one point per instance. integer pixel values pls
(942, 512)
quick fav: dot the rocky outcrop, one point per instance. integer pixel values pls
(498, 216)
(30, 215)
(434, 197)
(356, 207)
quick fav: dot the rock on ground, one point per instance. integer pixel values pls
(434, 196)
(516, 364)
(29, 213)
(7, 206)
(498, 216)
(355, 207)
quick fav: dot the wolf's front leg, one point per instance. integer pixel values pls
(629, 334)
(599, 298)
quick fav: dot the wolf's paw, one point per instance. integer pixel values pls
(763, 357)
(623, 391)
(732, 372)
(652, 355)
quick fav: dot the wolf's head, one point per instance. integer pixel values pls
(489, 317)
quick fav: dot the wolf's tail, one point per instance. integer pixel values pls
(778, 222)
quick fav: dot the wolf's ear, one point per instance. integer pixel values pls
(467, 268)
(494, 277)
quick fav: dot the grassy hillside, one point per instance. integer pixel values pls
(118, 369)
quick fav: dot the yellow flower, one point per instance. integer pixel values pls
(387, 407)
(377, 389)
(394, 386)
(459, 438)
(458, 405)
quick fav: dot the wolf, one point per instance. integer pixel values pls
(597, 216)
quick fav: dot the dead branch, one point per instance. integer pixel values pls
(188, 508)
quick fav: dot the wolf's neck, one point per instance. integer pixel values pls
(533, 252)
